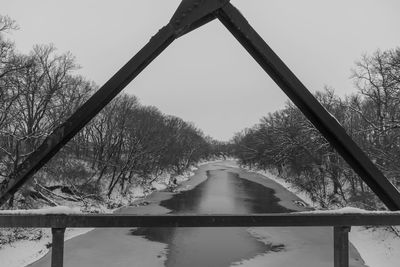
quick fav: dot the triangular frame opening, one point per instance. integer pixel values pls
(190, 15)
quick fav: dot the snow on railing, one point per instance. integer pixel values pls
(349, 210)
(44, 211)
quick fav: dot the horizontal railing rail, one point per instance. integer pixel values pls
(341, 224)
(191, 220)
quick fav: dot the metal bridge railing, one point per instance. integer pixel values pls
(341, 224)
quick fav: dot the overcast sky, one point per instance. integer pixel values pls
(206, 77)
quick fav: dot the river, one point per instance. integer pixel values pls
(218, 188)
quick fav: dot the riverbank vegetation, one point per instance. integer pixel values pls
(288, 143)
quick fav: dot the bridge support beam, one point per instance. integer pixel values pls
(57, 247)
(341, 246)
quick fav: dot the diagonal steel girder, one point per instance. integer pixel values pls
(190, 15)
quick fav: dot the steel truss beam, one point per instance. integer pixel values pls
(190, 15)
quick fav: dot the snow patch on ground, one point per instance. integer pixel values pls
(207, 162)
(185, 176)
(218, 160)
(25, 252)
(378, 247)
(117, 200)
(158, 186)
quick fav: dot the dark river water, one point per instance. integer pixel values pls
(222, 192)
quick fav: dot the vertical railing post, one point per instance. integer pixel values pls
(341, 246)
(57, 247)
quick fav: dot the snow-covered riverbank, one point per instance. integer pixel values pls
(378, 246)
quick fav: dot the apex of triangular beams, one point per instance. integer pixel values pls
(191, 11)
